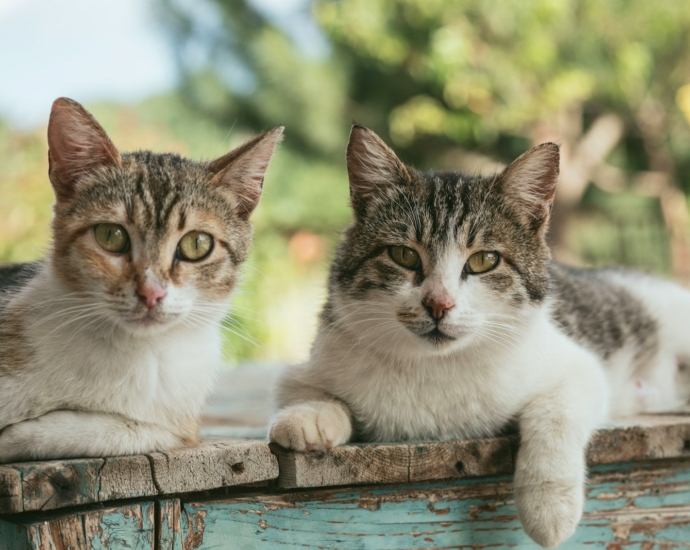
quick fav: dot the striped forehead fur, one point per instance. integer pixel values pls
(437, 210)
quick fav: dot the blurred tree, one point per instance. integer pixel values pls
(440, 78)
(590, 75)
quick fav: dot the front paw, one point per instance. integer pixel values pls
(550, 511)
(311, 426)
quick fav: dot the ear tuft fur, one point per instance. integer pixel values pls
(77, 145)
(371, 165)
(241, 172)
(531, 180)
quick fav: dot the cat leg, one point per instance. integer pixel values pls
(314, 425)
(550, 472)
(70, 434)
(309, 418)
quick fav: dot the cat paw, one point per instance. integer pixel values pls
(550, 511)
(311, 426)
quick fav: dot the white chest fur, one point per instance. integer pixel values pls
(92, 365)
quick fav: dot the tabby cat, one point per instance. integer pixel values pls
(447, 319)
(109, 345)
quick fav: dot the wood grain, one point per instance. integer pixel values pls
(10, 490)
(624, 509)
(642, 438)
(215, 464)
(402, 463)
(40, 486)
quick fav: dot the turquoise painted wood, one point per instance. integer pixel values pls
(123, 528)
(628, 506)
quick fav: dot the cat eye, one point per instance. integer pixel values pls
(404, 256)
(111, 237)
(481, 262)
(194, 246)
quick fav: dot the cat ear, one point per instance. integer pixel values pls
(371, 166)
(241, 172)
(531, 180)
(77, 145)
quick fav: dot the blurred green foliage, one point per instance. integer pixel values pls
(448, 84)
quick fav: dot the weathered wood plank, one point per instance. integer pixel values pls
(127, 526)
(125, 477)
(170, 529)
(36, 486)
(633, 506)
(642, 438)
(215, 464)
(10, 490)
(56, 484)
(366, 464)
(645, 438)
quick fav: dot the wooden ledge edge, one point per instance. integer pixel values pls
(651, 437)
(35, 486)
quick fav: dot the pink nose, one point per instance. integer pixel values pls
(437, 307)
(151, 294)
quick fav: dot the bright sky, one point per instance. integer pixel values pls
(88, 50)
(96, 50)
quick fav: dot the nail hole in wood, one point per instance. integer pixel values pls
(237, 468)
(460, 466)
(686, 445)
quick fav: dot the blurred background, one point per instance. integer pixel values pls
(463, 85)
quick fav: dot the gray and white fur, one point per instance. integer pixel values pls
(438, 351)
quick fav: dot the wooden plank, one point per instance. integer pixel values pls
(10, 490)
(13, 536)
(364, 464)
(37, 486)
(56, 484)
(126, 526)
(643, 438)
(633, 506)
(170, 529)
(125, 477)
(222, 463)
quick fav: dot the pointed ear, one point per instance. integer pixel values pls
(77, 145)
(530, 181)
(371, 166)
(241, 172)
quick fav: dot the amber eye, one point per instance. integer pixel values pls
(112, 237)
(194, 246)
(481, 262)
(404, 256)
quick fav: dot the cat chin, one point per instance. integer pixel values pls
(149, 326)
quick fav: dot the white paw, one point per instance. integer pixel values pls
(311, 426)
(550, 511)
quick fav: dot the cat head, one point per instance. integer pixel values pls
(436, 261)
(150, 240)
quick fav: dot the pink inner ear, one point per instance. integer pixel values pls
(77, 145)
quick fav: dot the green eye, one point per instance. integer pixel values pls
(481, 262)
(404, 256)
(194, 246)
(112, 237)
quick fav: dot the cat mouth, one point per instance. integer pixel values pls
(436, 336)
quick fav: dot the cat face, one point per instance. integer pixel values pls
(149, 240)
(438, 261)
